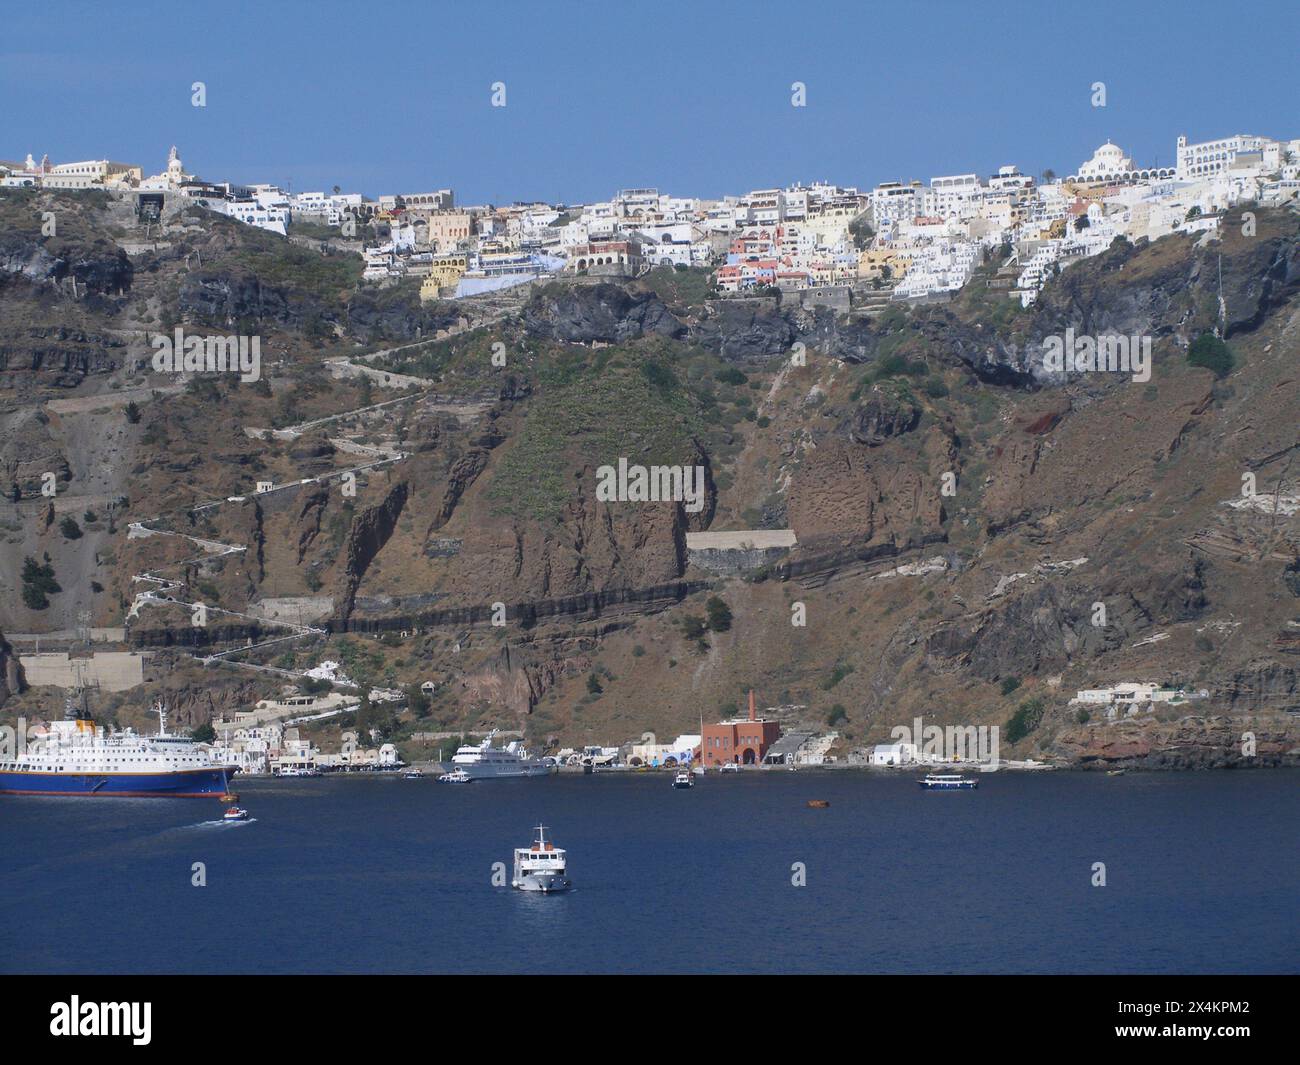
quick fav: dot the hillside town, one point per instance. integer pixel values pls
(901, 240)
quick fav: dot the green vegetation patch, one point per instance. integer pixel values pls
(591, 413)
(276, 262)
(1211, 353)
(38, 583)
(684, 286)
(1025, 720)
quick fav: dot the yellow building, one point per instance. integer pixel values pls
(873, 261)
(444, 272)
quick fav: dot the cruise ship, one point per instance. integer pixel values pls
(77, 757)
(513, 760)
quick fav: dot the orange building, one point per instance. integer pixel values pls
(741, 740)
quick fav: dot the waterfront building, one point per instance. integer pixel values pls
(682, 751)
(295, 753)
(742, 741)
(893, 754)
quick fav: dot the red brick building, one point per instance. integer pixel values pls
(741, 740)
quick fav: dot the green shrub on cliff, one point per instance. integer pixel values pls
(1024, 720)
(719, 614)
(590, 414)
(1211, 353)
(38, 583)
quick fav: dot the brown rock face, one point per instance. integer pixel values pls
(11, 678)
(595, 548)
(1213, 742)
(517, 677)
(27, 452)
(312, 454)
(883, 415)
(870, 492)
(369, 532)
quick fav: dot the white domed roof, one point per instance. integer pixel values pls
(1108, 159)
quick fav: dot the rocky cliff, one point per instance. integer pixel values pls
(973, 530)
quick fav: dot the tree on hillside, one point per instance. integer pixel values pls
(38, 583)
(1024, 720)
(1211, 353)
(719, 614)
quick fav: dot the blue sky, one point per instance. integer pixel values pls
(693, 98)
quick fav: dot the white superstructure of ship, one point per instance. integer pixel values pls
(485, 761)
(78, 757)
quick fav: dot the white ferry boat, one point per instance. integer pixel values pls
(485, 761)
(684, 779)
(541, 867)
(77, 757)
(948, 782)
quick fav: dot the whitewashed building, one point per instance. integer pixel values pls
(885, 754)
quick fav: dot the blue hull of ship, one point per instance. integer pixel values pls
(191, 783)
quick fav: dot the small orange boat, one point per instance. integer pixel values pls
(819, 804)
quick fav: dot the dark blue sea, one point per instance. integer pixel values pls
(380, 874)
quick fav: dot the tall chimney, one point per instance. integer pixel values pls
(751, 704)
